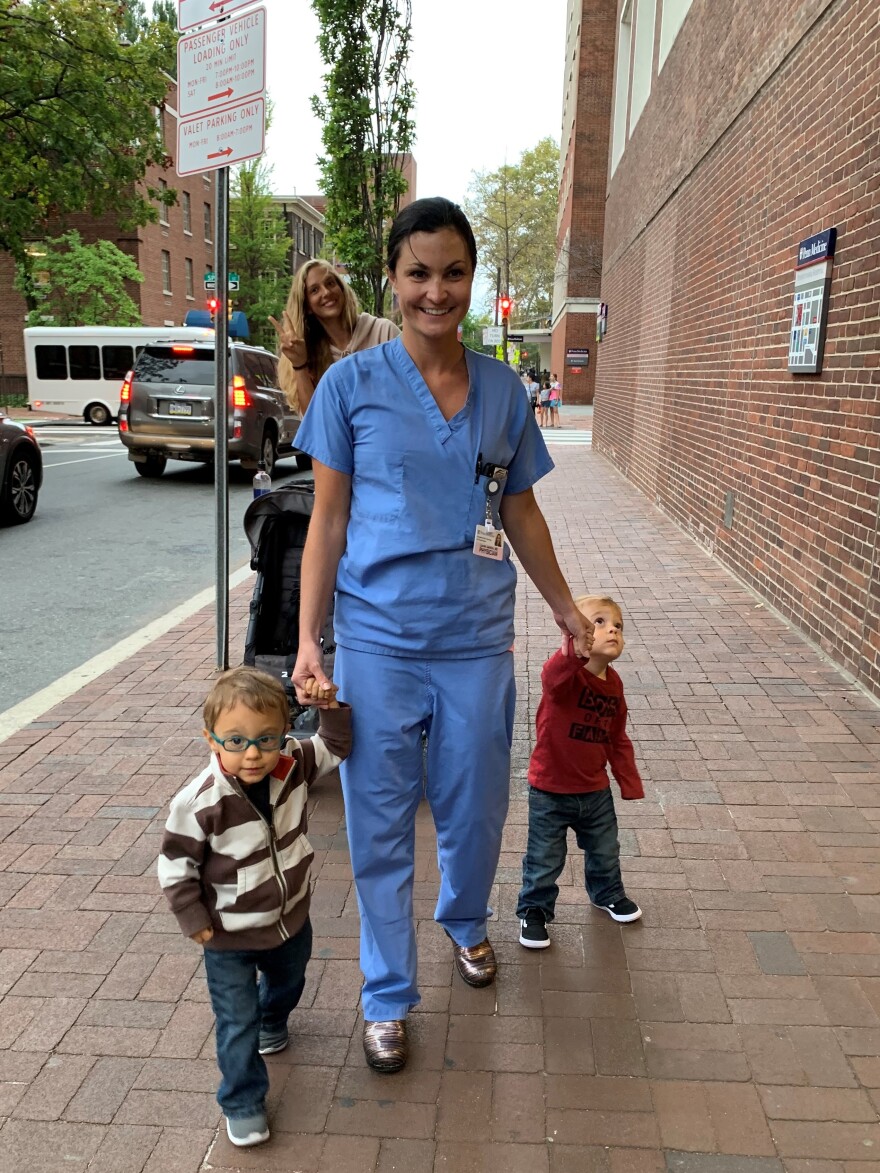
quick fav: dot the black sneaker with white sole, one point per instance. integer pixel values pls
(623, 910)
(533, 930)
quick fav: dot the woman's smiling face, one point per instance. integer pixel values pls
(432, 280)
(324, 296)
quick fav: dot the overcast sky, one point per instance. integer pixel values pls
(489, 79)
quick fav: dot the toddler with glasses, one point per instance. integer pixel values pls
(235, 864)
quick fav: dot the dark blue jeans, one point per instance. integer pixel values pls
(592, 818)
(242, 1007)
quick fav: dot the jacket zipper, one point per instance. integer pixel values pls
(276, 866)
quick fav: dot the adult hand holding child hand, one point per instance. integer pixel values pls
(322, 695)
(577, 632)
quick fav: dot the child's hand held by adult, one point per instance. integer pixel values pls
(312, 684)
(322, 695)
(575, 625)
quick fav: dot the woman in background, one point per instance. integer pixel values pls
(322, 322)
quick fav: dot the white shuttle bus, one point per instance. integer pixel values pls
(79, 370)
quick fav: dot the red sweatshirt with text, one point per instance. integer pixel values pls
(581, 729)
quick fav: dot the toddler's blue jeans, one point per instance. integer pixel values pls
(592, 818)
(242, 1006)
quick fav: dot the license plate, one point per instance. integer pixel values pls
(180, 408)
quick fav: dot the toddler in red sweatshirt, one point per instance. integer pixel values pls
(581, 730)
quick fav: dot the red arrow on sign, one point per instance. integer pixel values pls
(223, 94)
(218, 4)
(218, 154)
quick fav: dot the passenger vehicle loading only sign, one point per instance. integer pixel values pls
(222, 64)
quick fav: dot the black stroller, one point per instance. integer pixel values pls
(276, 525)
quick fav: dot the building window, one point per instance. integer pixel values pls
(187, 213)
(671, 19)
(163, 208)
(166, 271)
(208, 228)
(621, 84)
(188, 265)
(643, 59)
(159, 115)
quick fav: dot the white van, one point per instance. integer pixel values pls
(79, 369)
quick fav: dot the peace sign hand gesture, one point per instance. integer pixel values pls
(292, 346)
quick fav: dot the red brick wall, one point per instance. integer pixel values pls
(759, 132)
(144, 245)
(582, 193)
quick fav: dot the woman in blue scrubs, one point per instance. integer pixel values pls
(424, 458)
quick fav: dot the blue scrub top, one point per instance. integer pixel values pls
(408, 582)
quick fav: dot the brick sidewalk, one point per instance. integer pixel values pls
(736, 1029)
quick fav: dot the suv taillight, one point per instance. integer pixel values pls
(240, 397)
(125, 391)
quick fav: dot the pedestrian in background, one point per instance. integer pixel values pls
(321, 323)
(555, 402)
(544, 405)
(534, 389)
(581, 730)
(424, 454)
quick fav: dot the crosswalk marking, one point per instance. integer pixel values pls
(571, 436)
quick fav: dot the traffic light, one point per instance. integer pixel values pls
(505, 304)
(213, 306)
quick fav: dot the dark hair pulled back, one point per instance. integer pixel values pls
(429, 215)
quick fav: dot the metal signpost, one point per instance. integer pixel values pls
(221, 77)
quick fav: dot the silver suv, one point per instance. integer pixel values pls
(166, 408)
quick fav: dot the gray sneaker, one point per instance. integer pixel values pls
(245, 1131)
(273, 1040)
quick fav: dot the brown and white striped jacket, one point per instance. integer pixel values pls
(222, 865)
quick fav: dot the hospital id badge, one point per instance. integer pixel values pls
(489, 542)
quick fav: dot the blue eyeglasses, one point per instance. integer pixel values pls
(268, 743)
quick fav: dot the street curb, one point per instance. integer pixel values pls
(33, 707)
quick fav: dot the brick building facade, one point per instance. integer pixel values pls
(589, 67)
(173, 254)
(739, 130)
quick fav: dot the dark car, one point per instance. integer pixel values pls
(166, 409)
(21, 471)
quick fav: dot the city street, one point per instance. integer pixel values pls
(106, 552)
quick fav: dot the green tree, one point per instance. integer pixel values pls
(163, 24)
(513, 214)
(258, 249)
(77, 122)
(80, 284)
(366, 111)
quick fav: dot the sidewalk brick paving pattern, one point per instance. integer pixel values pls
(736, 1029)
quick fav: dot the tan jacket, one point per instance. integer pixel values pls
(368, 332)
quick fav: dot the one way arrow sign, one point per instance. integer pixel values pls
(194, 12)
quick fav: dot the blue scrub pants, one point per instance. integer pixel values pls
(466, 707)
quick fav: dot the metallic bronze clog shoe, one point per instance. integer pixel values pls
(476, 963)
(385, 1045)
